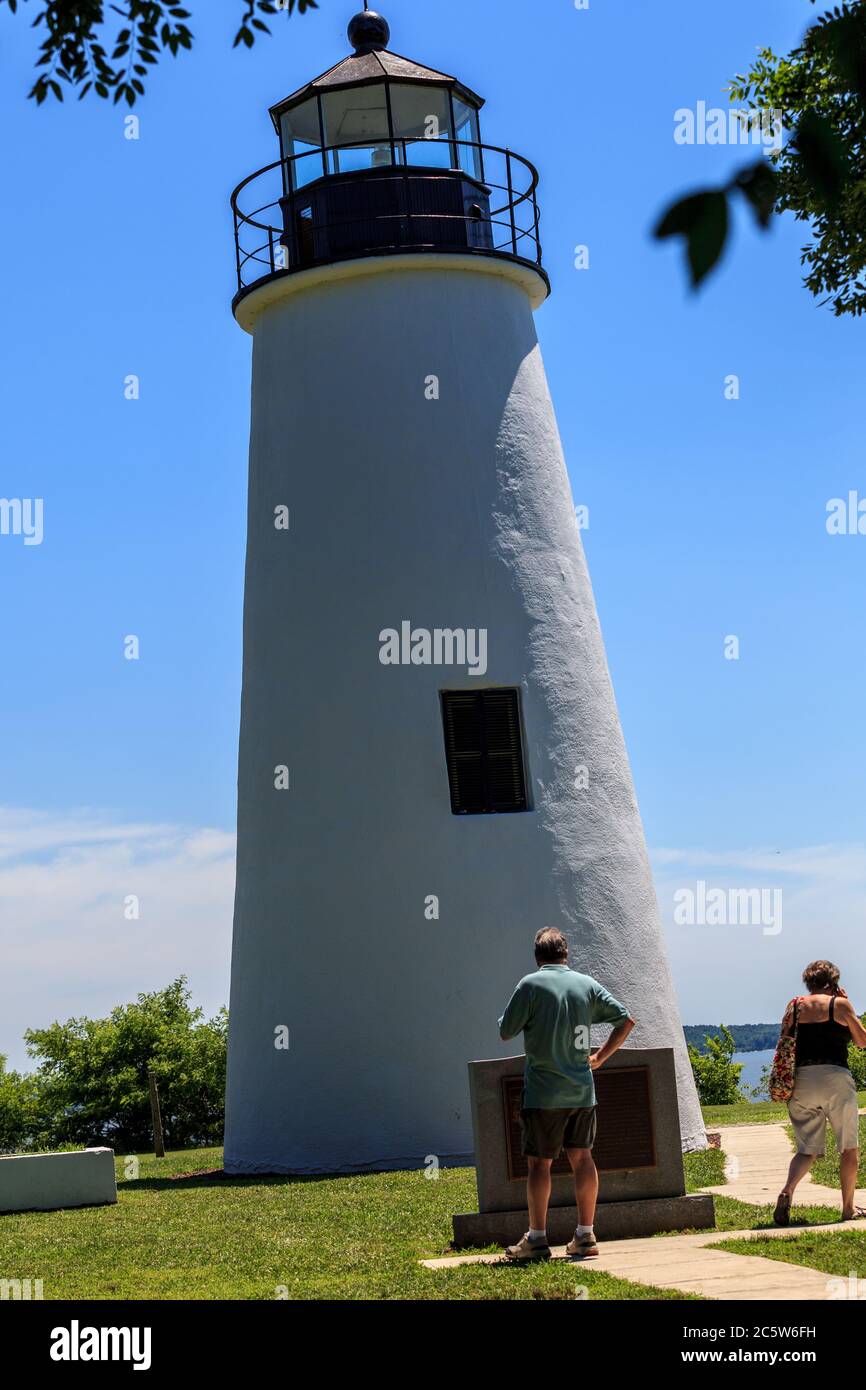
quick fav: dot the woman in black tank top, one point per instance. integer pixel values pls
(824, 1090)
(824, 1044)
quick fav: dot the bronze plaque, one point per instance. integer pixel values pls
(626, 1138)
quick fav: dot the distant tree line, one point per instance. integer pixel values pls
(748, 1037)
(91, 1082)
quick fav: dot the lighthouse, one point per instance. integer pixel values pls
(431, 763)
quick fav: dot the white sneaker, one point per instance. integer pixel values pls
(582, 1247)
(527, 1249)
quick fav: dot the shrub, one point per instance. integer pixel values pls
(717, 1075)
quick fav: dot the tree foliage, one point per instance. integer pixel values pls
(22, 1122)
(857, 1061)
(819, 173)
(717, 1075)
(109, 49)
(91, 1082)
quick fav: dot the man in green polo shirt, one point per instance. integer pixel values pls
(554, 1009)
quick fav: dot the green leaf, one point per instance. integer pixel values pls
(759, 185)
(701, 219)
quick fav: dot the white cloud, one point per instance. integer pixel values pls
(737, 974)
(66, 947)
(65, 944)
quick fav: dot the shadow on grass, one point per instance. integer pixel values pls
(768, 1224)
(218, 1178)
(803, 1221)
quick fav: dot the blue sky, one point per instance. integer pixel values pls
(707, 516)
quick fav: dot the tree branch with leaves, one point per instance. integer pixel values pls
(819, 174)
(109, 49)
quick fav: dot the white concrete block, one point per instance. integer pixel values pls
(47, 1182)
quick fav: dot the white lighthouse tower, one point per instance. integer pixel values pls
(431, 762)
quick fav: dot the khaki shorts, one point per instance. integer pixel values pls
(547, 1132)
(824, 1095)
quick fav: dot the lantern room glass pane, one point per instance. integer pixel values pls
(358, 117)
(422, 117)
(466, 128)
(302, 138)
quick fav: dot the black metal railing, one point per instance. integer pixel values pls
(412, 195)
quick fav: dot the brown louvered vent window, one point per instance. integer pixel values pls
(484, 751)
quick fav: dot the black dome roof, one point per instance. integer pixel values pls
(368, 31)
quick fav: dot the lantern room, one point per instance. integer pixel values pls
(381, 155)
(375, 110)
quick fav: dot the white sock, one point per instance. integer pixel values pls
(538, 1235)
(582, 1231)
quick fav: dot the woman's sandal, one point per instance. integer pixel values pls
(782, 1214)
(857, 1215)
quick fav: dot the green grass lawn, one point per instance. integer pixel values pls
(704, 1169)
(838, 1253)
(826, 1169)
(733, 1215)
(264, 1238)
(200, 1237)
(764, 1112)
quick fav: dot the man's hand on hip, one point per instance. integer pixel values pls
(614, 1042)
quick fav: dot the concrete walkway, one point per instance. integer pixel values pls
(757, 1165)
(689, 1264)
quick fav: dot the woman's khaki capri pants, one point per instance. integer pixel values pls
(823, 1095)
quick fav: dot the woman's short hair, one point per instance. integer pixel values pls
(551, 947)
(821, 975)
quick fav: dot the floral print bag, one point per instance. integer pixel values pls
(781, 1084)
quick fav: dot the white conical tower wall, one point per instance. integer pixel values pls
(454, 513)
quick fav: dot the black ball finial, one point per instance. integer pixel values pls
(369, 32)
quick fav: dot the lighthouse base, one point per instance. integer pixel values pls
(613, 1221)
